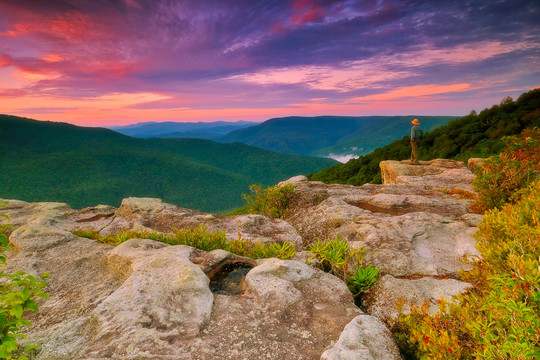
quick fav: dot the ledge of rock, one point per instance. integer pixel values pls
(411, 227)
(148, 214)
(439, 173)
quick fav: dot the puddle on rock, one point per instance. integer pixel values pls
(228, 280)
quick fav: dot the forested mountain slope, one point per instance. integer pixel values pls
(325, 135)
(48, 161)
(474, 135)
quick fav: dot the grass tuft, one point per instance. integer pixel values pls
(200, 238)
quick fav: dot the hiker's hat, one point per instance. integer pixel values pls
(415, 122)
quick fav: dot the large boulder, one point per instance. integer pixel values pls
(364, 338)
(164, 296)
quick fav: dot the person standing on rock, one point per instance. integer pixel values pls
(416, 135)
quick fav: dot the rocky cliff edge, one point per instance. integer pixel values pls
(148, 300)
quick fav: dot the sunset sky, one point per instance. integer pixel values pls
(116, 62)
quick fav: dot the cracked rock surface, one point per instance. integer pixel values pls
(148, 300)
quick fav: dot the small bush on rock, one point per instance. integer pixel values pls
(271, 201)
(362, 279)
(334, 256)
(338, 258)
(500, 177)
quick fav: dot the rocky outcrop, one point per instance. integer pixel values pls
(149, 300)
(441, 173)
(413, 227)
(149, 214)
(408, 230)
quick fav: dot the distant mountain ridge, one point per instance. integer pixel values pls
(49, 161)
(322, 136)
(330, 135)
(170, 129)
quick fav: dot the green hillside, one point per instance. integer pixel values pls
(324, 135)
(379, 133)
(474, 135)
(48, 161)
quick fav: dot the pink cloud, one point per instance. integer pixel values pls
(5, 60)
(416, 91)
(206, 61)
(279, 29)
(305, 11)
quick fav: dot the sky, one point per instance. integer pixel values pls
(118, 62)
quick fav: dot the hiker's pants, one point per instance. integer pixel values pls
(414, 152)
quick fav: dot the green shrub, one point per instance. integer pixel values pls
(338, 258)
(362, 279)
(17, 294)
(272, 201)
(501, 176)
(200, 238)
(334, 256)
(499, 318)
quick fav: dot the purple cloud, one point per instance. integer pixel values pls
(213, 54)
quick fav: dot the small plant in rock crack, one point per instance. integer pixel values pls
(335, 256)
(362, 279)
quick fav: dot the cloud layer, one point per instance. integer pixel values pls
(95, 62)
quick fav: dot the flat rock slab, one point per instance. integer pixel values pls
(442, 173)
(406, 230)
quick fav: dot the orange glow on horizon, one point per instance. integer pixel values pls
(118, 109)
